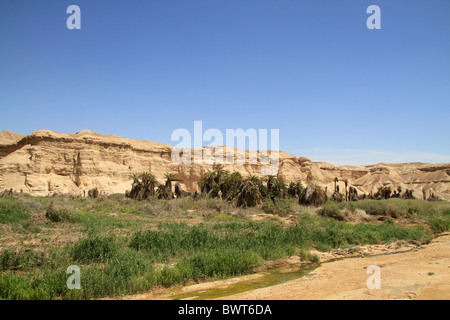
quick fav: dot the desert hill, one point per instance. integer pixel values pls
(7, 137)
(47, 162)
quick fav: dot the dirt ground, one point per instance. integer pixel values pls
(418, 274)
(421, 274)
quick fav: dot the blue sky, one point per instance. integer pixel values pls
(337, 91)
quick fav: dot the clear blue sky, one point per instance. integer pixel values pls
(337, 91)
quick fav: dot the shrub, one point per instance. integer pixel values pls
(438, 225)
(393, 211)
(269, 206)
(351, 206)
(221, 263)
(97, 249)
(278, 206)
(12, 212)
(308, 256)
(373, 207)
(41, 287)
(143, 187)
(331, 210)
(58, 214)
(178, 239)
(21, 259)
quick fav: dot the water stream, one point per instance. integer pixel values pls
(269, 278)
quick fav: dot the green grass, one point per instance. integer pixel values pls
(95, 249)
(117, 266)
(124, 246)
(331, 210)
(97, 222)
(279, 206)
(21, 260)
(12, 212)
(439, 224)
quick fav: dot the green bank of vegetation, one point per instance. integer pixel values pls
(124, 246)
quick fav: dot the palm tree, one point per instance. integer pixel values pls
(231, 185)
(295, 189)
(143, 186)
(346, 192)
(136, 179)
(271, 181)
(275, 188)
(220, 173)
(169, 177)
(210, 177)
(251, 193)
(149, 182)
(211, 181)
(202, 184)
(161, 191)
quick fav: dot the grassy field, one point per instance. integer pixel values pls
(123, 246)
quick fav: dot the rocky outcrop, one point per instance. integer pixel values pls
(47, 162)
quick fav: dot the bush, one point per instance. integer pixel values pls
(125, 272)
(221, 263)
(331, 210)
(12, 260)
(12, 212)
(351, 206)
(308, 256)
(97, 249)
(373, 207)
(176, 240)
(58, 214)
(393, 211)
(42, 287)
(438, 225)
(278, 206)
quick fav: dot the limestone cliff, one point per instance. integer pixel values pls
(47, 162)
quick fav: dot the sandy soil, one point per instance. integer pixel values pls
(419, 274)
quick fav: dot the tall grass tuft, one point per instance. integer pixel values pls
(12, 212)
(95, 249)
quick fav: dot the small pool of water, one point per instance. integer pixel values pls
(269, 278)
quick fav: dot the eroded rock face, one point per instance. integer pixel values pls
(47, 162)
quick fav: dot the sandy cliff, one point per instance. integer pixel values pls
(46, 162)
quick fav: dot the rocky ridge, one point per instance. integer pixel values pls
(47, 162)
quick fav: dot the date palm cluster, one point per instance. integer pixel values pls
(218, 183)
(145, 186)
(245, 192)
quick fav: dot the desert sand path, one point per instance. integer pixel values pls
(420, 274)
